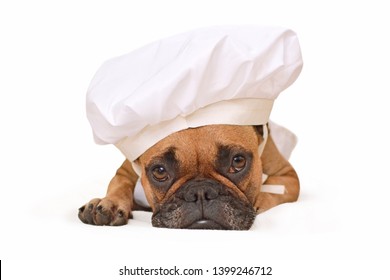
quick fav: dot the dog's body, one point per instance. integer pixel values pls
(207, 177)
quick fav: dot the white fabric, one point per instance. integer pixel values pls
(275, 189)
(238, 112)
(228, 75)
(283, 138)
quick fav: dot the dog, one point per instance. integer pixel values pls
(207, 177)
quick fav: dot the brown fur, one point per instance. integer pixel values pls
(196, 151)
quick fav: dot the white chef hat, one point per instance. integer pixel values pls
(218, 75)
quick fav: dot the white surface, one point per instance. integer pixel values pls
(338, 108)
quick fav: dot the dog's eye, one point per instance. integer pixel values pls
(238, 164)
(160, 173)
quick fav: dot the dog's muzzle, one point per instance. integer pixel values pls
(204, 204)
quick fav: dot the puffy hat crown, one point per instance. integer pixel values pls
(219, 75)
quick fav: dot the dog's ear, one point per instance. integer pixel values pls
(260, 130)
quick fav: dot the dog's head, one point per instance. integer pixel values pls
(204, 177)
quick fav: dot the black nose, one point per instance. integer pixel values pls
(200, 192)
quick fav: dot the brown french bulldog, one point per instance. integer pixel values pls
(201, 178)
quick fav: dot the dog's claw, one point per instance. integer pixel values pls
(103, 212)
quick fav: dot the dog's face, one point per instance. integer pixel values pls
(205, 177)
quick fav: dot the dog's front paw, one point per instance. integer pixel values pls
(103, 212)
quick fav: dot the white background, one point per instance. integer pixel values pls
(49, 165)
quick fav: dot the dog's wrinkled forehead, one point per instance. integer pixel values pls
(200, 145)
